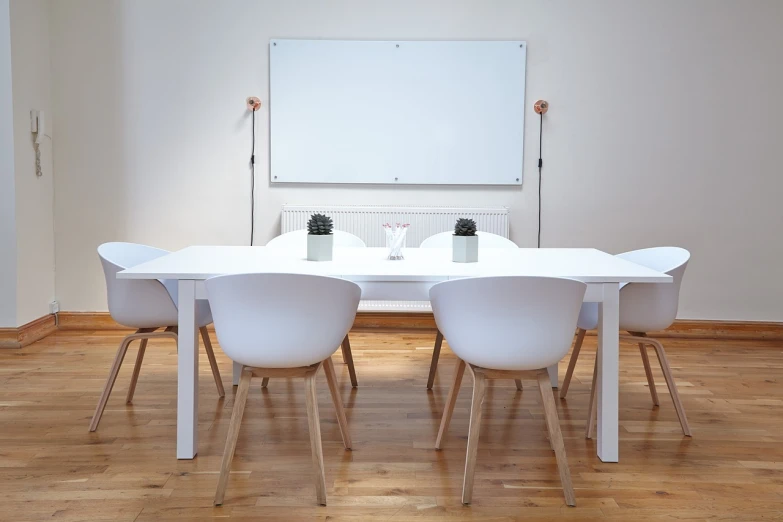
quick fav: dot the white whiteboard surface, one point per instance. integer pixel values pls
(397, 112)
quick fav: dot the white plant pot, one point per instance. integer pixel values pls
(319, 248)
(465, 249)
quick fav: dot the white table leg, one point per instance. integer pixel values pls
(608, 373)
(237, 372)
(552, 370)
(187, 372)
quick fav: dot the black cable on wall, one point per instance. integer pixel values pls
(253, 180)
(253, 104)
(540, 165)
(540, 107)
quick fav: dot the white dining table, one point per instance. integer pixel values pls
(408, 279)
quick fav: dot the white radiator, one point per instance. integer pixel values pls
(366, 222)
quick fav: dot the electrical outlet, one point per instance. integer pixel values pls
(54, 307)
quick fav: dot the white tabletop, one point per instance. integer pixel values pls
(420, 264)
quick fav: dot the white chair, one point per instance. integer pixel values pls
(298, 239)
(643, 308)
(503, 328)
(443, 240)
(283, 325)
(146, 305)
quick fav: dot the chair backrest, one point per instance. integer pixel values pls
(486, 240)
(281, 320)
(298, 239)
(135, 303)
(646, 307)
(508, 323)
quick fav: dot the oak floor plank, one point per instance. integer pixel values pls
(51, 468)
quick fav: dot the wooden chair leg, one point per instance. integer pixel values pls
(264, 382)
(435, 357)
(518, 382)
(136, 370)
(648, 372)
(342, 422)
(591, 405)
(342, 349)
(115, 369)
(212, 361)
(667, 374)
(315, 437)
(137, 366)
(555, 436)
(459, 371)
(580, 337)
(233, 434)
(348, 357)
(479, 387)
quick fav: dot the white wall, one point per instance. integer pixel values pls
(7, 196)
(34, 203)
(663, 129)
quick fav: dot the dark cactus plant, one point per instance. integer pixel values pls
(465, 227)
(319, 225)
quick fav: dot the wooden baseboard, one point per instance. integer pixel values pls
(27, 333)
(729, 330)
(422, 321)
(88, 321)
(394, 321)
(682, 328)
(364, 321)
(9, 338)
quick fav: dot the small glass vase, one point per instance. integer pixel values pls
(395, 240)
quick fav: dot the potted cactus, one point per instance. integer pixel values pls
(465, 241)
(320, 241)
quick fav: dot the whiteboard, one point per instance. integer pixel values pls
(397, 112)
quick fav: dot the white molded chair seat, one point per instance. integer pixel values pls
(444, 240)
(146, 305)
(646, 307)
(139, 303)
(203, 312)
(501, 328)
(283, 325)
(298, 239)
(643, 308)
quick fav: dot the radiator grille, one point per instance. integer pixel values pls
(366, 222)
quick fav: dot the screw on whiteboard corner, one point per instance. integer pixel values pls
(517, 178)
(395, 179)
(276, 178)
(520, 45)
(398, 45)
(275, 43)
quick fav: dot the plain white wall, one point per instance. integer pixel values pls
(34, 204)
(663, 129)
(7, 194)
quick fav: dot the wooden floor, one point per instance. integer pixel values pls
(51, 468)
